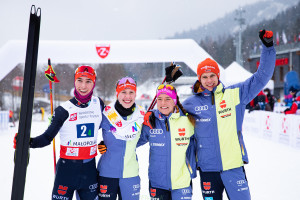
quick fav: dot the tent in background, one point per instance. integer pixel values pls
(235, 73)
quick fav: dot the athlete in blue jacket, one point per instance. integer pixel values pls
(219, 113)
(77, 121)
(121, 128)
(168, 131)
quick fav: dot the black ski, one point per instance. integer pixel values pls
(22, 148)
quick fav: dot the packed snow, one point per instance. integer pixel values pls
(273, 171)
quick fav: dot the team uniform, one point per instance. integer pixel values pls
(78, 126)
(118, 167)
(170, 168)
(221, 152)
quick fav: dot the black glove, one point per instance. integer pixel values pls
(149, 120)
(177, 75)
(266, 37)
(102, 147)
(170, 75)
(169, 70)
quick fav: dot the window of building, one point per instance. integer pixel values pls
(281, 74)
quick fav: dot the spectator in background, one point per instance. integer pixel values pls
(294, 108)
(294, 92)
(260, 102)
(271, 98)
(42, 111)
(290, 98)
(11, 117)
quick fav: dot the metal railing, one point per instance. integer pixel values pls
(280, 49)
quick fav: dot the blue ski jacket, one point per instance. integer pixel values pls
(120, 159)
(219, 116)
(170, 163)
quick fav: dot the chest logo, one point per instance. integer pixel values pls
(223, 104)
(206, 185)
(181, 131)
(224, 112)
(73, 117)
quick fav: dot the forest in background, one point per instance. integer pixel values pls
(285, 25)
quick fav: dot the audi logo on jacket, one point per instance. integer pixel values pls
(169, 151)
(218, 131)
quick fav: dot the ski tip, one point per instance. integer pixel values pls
(33, 10)
(38, 12)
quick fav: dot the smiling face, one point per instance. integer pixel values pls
(209, 80)
(127, 98)
(165, 104)
(84, 85)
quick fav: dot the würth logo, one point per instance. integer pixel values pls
(73, 117)
(223, 104)
(181, 131)
(152, 192)
(103, 50)
(62, 190)
(206, 185)
(103, 189)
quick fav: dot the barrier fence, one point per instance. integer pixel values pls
(4, 119)
(277, 127)
(273, 126)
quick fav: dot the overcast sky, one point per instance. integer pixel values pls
(111, 19)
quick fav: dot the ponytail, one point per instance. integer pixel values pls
(190, 117)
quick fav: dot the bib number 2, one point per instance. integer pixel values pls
(85, 130)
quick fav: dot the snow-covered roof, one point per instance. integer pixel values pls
(117, 51)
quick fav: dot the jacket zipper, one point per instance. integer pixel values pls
(170, 152)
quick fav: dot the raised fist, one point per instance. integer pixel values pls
(266, 37)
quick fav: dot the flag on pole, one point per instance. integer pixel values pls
(254, 47)
(284, 37)
(277, 38)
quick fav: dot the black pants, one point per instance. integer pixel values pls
(74, 175)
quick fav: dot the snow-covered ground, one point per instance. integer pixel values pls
(273, 172)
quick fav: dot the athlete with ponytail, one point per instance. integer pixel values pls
(169, 131)
(77, 121)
